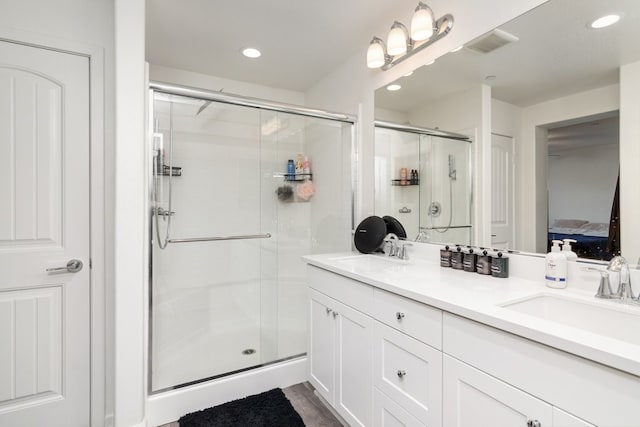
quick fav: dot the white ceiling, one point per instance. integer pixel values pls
(556, 55)
(301, 40)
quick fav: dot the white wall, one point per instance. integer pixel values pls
(629, 159)
(582, 183)
(85, 27)
(159, 73)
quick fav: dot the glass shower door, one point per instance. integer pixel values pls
(445, 189)
(207, 312)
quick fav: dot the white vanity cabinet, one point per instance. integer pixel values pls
(491, 373)
(382, 359)
(340, 359)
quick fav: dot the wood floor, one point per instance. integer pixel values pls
(312, 411)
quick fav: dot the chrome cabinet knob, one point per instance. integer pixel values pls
(534, 423)
(401, 373)
(335, 314)
(328, 310)
(399, 315)
(73, 266)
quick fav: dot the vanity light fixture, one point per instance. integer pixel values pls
(251, 52)
(604, 21)
(401, 43)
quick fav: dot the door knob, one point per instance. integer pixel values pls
(534, 423)
(399, 315)
(73, 266)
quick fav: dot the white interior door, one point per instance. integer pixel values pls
(502, 185)
(44, 224)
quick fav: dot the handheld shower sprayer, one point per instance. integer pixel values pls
(452, 167)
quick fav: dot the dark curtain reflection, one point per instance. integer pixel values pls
(613, 244)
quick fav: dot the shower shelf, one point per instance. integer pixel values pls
(171, 170)
(398, 182)
(295, 177)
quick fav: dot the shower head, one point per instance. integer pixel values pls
(203, 106)
(452, 167)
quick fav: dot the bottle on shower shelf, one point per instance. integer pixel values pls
(291, 170)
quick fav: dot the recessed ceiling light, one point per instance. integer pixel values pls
(605, 21)
(251, 52)
(394, 87)
(459, 48)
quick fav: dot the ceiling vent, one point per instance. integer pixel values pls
(491, 41)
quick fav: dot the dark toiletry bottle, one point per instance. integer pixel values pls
(457, 258)
(500, 266)
(469, 261)
(445, 257)
(483, 264)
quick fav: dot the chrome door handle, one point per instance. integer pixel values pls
(401, 373)
(399, 315)
(534, 423)
(73, 266)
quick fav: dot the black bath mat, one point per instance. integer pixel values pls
(268, 409)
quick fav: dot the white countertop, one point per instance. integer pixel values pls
(478, 297)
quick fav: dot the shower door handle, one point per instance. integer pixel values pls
(218, 238)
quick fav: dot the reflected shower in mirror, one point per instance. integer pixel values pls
(423, 178)
(514, 90)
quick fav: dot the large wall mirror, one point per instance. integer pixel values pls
(539, 99)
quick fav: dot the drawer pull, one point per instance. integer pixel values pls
(534, 423)
(328, 310)
(399, 315)
(401, 373)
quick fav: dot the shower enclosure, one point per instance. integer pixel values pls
(436, 203)
(229, 223)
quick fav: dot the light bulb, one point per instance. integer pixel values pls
(397, 40)
(605, 21)
(375, 54)
(422, 23)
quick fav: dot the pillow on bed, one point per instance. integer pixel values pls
(595, 229)
(569, 223)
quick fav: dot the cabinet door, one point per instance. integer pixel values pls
(387, 413)
(321, 344)
(354, 365)
(410, 372)
(563, 419)
(472, 398)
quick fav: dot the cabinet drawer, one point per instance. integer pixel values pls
(411, 317)
(387, 413)
(348, 291)
(409, 372)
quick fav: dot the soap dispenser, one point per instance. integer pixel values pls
(566, 250)
(469, 260)
(556, 267)
(445, 256)
(500, 266)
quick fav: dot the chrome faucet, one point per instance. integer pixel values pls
(620, 265)
(392, 240)
(403, 252)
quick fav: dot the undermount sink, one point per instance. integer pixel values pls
(618, 322)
